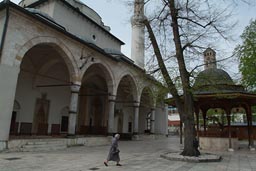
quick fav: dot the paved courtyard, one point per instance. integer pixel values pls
(135, 155)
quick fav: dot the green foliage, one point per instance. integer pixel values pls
(247, 55)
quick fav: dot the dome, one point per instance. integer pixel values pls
(213, 80)
(213, 76)
(89, 12)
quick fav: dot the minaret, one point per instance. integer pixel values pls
(138, 34)
(209, 58)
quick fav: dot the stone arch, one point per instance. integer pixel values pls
(126, 98)
(150, 92)
(107, 73)
(133, 83)
(58, 45)
(97, 85)
(147, 105)
(47, 68)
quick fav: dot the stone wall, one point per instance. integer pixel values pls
(217, 144)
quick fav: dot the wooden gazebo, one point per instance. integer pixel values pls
(214, 88)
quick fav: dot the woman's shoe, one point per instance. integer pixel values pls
(105, 163)
(118, 164)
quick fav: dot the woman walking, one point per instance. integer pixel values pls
(113, 154)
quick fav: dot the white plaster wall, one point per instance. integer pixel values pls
(58, 96)
(160, 121)
(128, 113)
(25, 89)
(8, 77)
(86, 10)
(83, 28)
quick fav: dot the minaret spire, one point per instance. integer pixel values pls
(138, 34)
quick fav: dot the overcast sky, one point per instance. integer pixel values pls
(116, 14)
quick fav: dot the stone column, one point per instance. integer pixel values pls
(73, 110)
(152, 120)
(136, 118)
(8, 83)
(111, 115)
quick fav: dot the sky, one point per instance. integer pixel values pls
(117, 14)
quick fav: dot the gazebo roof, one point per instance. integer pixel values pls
(214, 88)
(222, 100)
(213, 80)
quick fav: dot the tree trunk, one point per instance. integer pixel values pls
(190, 142)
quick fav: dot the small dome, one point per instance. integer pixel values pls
(213, 76)
(215, 80)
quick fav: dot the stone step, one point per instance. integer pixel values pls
(36, 149)
(43, 145)
(45, 142)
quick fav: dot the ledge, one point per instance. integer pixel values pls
(204, 157)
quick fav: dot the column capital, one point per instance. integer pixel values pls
(136, 104)
(75, 88)
(111, 98)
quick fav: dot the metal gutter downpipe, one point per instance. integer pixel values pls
(5, 28)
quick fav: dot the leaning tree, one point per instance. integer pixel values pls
(179, 31)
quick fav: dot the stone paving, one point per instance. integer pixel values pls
(135, 155)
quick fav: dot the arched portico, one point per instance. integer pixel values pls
(124, 105)
(43, 87)
(97, 83)
(146, 111)
(58, 45)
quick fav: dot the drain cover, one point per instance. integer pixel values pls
(13, 158)
(94, 168)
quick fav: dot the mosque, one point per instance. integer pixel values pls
(63, 74)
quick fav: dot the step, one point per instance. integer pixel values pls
(24, 149)
(43, 145)
(45, 142)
